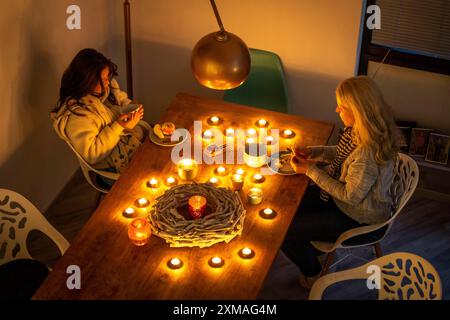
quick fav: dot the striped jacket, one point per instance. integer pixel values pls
(362, 190)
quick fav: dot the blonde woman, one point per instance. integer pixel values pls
(353, 189)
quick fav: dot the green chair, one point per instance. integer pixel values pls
(266, 85)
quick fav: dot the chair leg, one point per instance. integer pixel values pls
(327, 265)
(377, 247)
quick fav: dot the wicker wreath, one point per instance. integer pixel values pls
(224, 222)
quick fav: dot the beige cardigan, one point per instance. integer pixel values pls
(362, 191)
(94, 133)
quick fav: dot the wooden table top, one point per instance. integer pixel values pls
(113, 268)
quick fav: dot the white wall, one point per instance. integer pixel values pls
(36, 47)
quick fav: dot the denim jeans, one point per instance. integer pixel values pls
(316, 220)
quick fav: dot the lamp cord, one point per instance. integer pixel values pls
(216, 12)
(387, 53)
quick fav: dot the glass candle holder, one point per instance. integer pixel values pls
(153, 183)
(255, 154)
(237, 182)
(187, 169)
(254, 196)
(197, 206)
(139, 231)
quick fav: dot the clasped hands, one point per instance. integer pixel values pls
(300, 159)
(129, 121)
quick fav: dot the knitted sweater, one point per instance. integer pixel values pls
(362, 190)
(94, 133)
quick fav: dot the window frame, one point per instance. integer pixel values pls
(376, 53)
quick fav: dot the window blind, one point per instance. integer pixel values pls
(418, 26)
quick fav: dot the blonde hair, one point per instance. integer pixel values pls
(374, 124)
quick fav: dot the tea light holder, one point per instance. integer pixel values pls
(254, 196)
(216, 262)
(221, 171)
(288, 134)
(207, 135)
(237, 182)
(270, 140)
(187, 169)
(142, 203)
(251, 132)
(262, 123)
(229, 133)
(214, 181)
(175, 263)
(171, 181)
(240, 171)
(153, 183)
(197, 206)
(139, 231)
(246, 253)
(258, 178)
(214, 121)
(267, 213)
(129, 213)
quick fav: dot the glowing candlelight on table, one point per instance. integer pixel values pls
(207, 135)
(221, 171)
(187, 169)
(267, 213)
(246, 253)
(175, 263)
(251, 132)
(258, 178)
(139, 231)
(171, 181)
(254, 196)
(197, 206)
(153, 183)
(288, 134)
(262, 123)
(237, 182)
(250, 140)
(229, 132)
(142, 203)
(214, 181)
(216, 262)
(129, 212)
(270, 140)
(240, 171)
(214, 121)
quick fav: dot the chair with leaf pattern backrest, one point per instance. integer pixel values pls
(397, 276)
(18, 217)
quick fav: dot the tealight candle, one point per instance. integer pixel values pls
(270, 140)
(175, 263)
(229, 132)
(240, 171)
(187, 169)
(237, 182)
(216, 262)
(258, 178)
(142, 203)
(139, 231)
(221, 171)
(254, 196)
(250, 140)
(153, 183)
(267, 213)
(214, 181)
(197, 206)
(171, 181)
(129, 213)
(288, 134)
(251, 132)
(207, 135)
(262, 123)
(246, 253)
(214, 121)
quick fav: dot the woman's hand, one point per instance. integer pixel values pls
(302, 152)
(129, 121)
(299, 164)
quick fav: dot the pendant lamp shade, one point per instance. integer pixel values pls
(220, 60)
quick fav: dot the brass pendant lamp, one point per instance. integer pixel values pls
(220, 60)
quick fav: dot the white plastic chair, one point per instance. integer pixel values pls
(402, 276)
(403, 186)
(18, 217)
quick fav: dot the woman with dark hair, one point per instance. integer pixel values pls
(89, 114)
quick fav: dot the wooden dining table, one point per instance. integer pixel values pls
(112, 267)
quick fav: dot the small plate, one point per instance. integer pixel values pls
(166, 142)
(280, 163)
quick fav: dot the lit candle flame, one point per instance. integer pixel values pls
(142, 201)
(240, 171)
(216, 260)
(262, 122)
(129, 210)
(251, 131)
(175, 261)
(215, 119)
(246, 251)
(268, 211)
